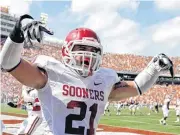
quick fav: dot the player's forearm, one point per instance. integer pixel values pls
(146, 79)
(10, 55)
(123, 90)
(149, 75)
(29, 75)
(11, 61)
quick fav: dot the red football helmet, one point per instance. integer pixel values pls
(86, 38)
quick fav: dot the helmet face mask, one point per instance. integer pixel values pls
(84, 55)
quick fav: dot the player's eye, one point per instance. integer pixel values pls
(97, 50)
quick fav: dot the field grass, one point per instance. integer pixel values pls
(145, 122)
(6, 108)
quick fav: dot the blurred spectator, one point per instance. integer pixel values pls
(120, 62)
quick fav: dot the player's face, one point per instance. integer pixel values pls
(79, 59)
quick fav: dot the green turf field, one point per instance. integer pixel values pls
(146, 122)
(5, 108)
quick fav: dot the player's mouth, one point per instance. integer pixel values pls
(86, 62)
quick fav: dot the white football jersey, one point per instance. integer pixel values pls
(178, 103)
(106, 106)
(119, 105)
(167, 102)
(155, 103)
(31, 100)
(74, 103)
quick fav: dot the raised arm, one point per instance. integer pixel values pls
(144, 80)
(10, 56)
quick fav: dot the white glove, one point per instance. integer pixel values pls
(162, 63)
(34, 31)
(10, 55)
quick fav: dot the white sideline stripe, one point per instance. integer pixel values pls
(8, 117)
(116, 133)
(139, 129)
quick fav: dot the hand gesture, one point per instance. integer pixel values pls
(31, 31)
(34, 31)
(162, 63)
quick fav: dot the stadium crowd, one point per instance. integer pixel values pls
(10, 88)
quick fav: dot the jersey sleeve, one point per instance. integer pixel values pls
(115, 76)
(45, 62)
(110, 77)
(42, 61)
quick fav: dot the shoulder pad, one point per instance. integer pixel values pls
(42, 60)
(109, 73)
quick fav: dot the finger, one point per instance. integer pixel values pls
(41, 36)
(45, 29)
(32, 33)
(30, 25)
(171, 71)
(169, 64)
(38, 34)
(39, 39)
(36, 22)
(26, 27)
(27, 38)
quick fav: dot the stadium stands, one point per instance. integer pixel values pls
(120, 62)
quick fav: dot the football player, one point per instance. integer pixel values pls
(151, 107)
(119, 107)
(156, 106)
(165, 107)
(29, 97)
(76, 89)
(177, 109)
(29, 125)
(106, 109)
(132, 106)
